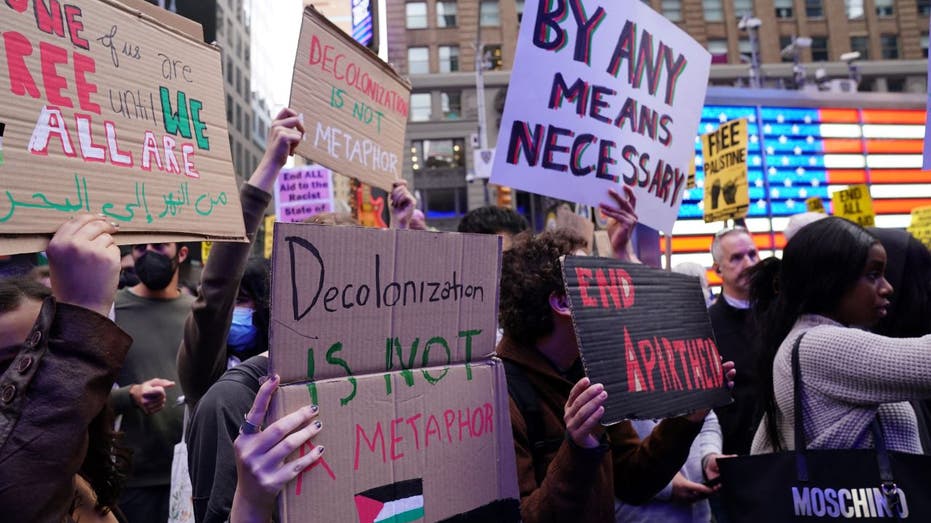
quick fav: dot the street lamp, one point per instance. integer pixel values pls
(853, 71)
(752, 25)
(793, 51)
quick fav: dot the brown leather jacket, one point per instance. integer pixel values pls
(52, 387)
(580, 484)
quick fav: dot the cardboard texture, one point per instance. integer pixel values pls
(724, 152)
(594, 101)
(108, 111)
(303, 191)
(363, 300)
(451, 432)
(645, 334)
(355, 106)
(855, 204)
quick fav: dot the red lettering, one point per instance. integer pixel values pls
(649, 361)
(371, 444)
(150, 149)
(53, 82)
(489, 410)
(602, 281)
(48, 17)
(695, 363)
(75, 26)
(18, 5)
(395, 439)
(433, 427)
(117, 156)
(679, 347)
(583, 276)
(449, 418)
(412, 421)
(612, 289)
(477, 427)
(622, 280)
(171, 159)
(634, 375)
(660, 344)
(50, 123)
(83, 65)
(17, 49)
(715, 360)
(187, 157)
(464, 424)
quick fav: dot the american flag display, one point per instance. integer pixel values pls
(797, 153)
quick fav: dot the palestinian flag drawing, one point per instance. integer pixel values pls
(400, 502)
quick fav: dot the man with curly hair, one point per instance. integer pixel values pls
(576, 467)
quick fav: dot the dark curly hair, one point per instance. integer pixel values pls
(493, 220)
(530, 272)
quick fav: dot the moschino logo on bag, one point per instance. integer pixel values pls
(847, 503)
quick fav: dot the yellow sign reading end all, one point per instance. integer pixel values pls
(855, 204)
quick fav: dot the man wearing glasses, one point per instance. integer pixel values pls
(153, 313)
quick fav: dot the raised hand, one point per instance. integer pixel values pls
(84, 262)
(584, 411)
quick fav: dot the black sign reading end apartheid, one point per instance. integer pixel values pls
(645, 335)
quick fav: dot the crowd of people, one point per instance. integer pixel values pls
(99, 385)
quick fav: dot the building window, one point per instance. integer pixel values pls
(819, 49)
(489, 13)
(672, 10)
(219, 23)
(416, 15)
(714, 10)
(924, 7)
(449, 58)
(861, 44)
(446, 14)
(784, 8)
(814, 8)
(519, 7)
(451, 104)
(889, 45)
(437, 154)
(785, 41)
(895, 84)
(743, 8)
(238, 118)
(418, 60)
(854, 9)
(421, 107)
(238, 80)
(885, 7)
(494, 60)
(451, 202)
(229, 108)
(924, 44)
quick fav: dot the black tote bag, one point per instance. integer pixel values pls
(826, 485)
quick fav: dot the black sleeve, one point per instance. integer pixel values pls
(211, 459)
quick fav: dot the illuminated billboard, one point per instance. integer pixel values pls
(363, 23)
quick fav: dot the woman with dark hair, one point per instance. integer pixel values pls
(59, 357)
(908, 269)
(830, 284)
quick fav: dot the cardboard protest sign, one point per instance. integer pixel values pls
(106, 110)
(303, 191)
(645, 334)
(355, 106)
(690, 181)
(815, 204)
(351, 300)
(582, 118)
(398, 445)
(855, 204)
(724, 152)
(920, 226)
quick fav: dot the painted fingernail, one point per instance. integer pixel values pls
(319, 449)
(277, 378)
(314, 408)
(300, 118)
(262, 380)
(318, 424)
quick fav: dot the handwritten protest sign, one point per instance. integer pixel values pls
(645, 334)
(920, 226)
(581, 118)
(724, 153)
(855, 204)
(364, 300)
(302, 192)
(355, 106)
(815, 204)
(106, 110)
(390, 333)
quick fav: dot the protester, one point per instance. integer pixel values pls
(573, 468)
(908, 270)
(797, 221)
(734, 252)
(696, 270)
(153, 313)
(684, 499)
(504, 222)
(61, 461)
(828, 286)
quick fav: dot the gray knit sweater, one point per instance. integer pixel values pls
(849, 378)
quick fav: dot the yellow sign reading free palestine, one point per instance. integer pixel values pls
(855, 204)
(724, 156)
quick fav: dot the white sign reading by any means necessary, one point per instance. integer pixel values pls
(603, 93)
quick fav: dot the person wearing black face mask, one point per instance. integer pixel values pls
(152, 311)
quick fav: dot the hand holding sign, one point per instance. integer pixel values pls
(583, 413)
(623, 219)
(403, 204)
(285, 134)
(84, 263)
